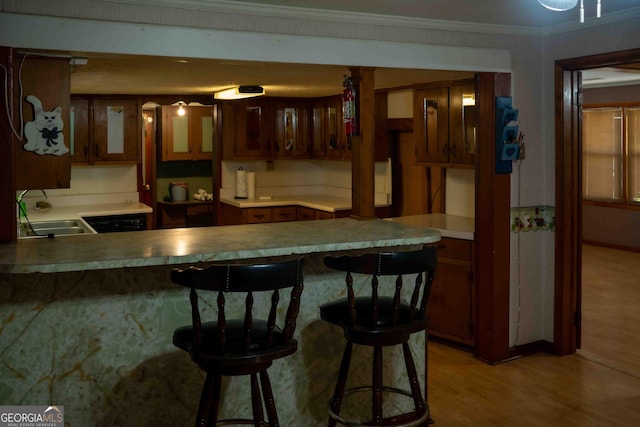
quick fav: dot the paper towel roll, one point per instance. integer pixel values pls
(241, 184)
(251, 185)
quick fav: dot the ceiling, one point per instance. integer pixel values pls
(105, 74)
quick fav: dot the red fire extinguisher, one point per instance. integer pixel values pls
(349, 107)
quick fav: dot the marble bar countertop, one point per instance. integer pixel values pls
(56, 212)
(321, 202)
(454, 226)
(205, 244)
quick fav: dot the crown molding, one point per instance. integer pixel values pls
(289, 12)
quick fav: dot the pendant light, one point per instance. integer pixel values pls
(563, 5)
(559, 5)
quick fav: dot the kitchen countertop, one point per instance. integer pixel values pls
(321, 202)
(78, 211)
(457, 227)
(202, 244)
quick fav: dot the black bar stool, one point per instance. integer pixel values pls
(378, 321)
(240, 345)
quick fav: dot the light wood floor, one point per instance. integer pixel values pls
(599, 386)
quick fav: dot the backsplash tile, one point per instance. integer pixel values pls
(533, 218)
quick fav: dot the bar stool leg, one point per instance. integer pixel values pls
(376, 395)
(209, 399)
(413, 380)
(269, 402)
(256, 401)
(341, 382)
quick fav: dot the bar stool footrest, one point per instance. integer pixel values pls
(421, 421)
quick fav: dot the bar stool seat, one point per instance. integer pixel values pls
(379, 320)
(242, 345)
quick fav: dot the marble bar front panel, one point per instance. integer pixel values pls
(99, 343)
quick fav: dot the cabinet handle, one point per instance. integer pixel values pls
(259, 216)
(97, 151)
(442, 246)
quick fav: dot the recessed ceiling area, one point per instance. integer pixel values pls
(137, 75)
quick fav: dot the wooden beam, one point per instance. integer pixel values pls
(492, 228)
(8, 224)
(363, 146)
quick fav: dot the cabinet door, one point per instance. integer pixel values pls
(431, 124)
(463, 124)
(175, 134)
(451, 301)
(291, 129)
(252, 129)
(335, 138)
(318, 129)
(116, 130)
(79, 135)
(201, 132)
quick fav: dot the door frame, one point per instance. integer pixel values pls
(568, 236)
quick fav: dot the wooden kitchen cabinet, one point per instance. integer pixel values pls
(105, 130)
(185, 214)
(310, 214)
(232, 215)
(187, 137)
(291, 129)
(444, 129)
(327, 131)
(451, 305)
(247, 132)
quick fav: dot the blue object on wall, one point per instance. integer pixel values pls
(507, 147)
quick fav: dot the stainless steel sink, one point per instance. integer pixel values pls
(69, 227)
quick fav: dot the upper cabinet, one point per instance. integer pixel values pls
(327, 135)
(291, 128)
(445, 124)
(247, 129)
(187, 136)
(105, 130)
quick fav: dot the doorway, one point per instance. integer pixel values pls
(568, 244)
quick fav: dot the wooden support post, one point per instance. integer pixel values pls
(8, 215)
(363, 146)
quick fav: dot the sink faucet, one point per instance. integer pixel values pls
(26, 191)
(21, 209)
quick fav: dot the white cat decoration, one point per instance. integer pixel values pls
(44, 133)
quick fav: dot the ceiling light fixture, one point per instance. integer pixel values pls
(240, 92)
(181, 110)
(562, 5)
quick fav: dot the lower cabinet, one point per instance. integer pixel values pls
(232, 215)
(451, 306)
(185, 214)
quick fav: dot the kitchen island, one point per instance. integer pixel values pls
(87, 321)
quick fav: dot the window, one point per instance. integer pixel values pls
(611, 154)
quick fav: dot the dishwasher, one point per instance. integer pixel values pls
(117, 223)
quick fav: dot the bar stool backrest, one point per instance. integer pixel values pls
(388, 313)
(256, 335)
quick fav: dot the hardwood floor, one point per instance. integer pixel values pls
(598, 386)
(611, 308)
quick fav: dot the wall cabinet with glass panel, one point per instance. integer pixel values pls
(247, 131)
(105, 130)
(445, 124)
(327, 135)
(291, 129)
(187, 133)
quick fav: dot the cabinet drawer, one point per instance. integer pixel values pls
(286, 213)
(199, 209)
(455, 248)
(258, 215)
(305, 214)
